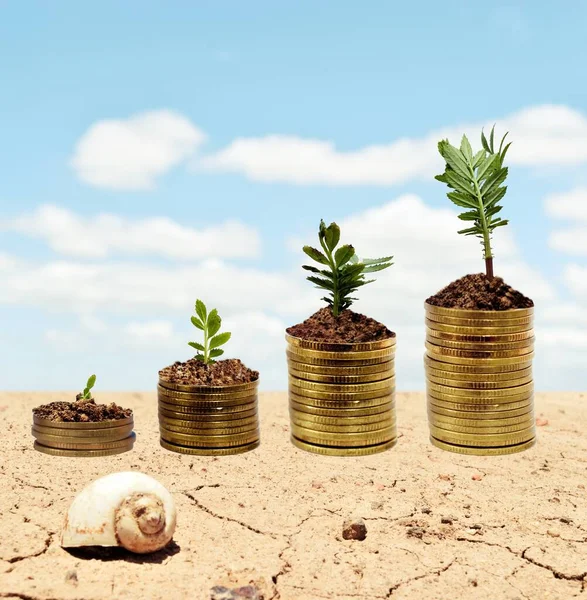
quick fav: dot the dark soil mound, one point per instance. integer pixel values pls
(348, 328)
(81, 411)
(195, 372)
(478, 292)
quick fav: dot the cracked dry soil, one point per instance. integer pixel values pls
(439, 525)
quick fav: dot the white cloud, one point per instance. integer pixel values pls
(130, 154)
(547, 135)
(104, 234)
(149, 333)
(569, 206)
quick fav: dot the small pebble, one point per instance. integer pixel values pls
(426, 510)
(248, 592)
(416, 532)
(445, 477)
(553, 533)
(71, 576)
(221, 593)
(448, 520)
(477, 477)
(541, 422)
(354, 529)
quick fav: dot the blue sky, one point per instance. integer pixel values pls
(355, 75)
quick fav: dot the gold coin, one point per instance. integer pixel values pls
(195, 429)
(483, 441)
(82, 453)
(342, 402)
(345, 412)
(478, 368)
(521, 361)
(209, 451)
(83, 425)
(213, 415)
(344, 439)
(489, 354)
(472, 414)
(346, 388)
(204, 423)
(209, 441)
(195, 398)
(458, 429)
(211, 410)
(340, 396)
(342, 428)
(475, 407)
(55, 441)
(340, 347)
(471, 450)
(479, 377)
(480, 385)
(110, 433)
(481, 337)
(480, 346)
(481, 328)
(228, 390)
(460, 313)
(332, 451)
(326, 362)
(341, 379)
(439, 390)
(204, 403)
(449, 398)
(342, 419)
(302, 353)
(384, 367)
(479, 423)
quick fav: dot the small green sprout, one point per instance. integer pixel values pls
(209, 323)
(345, 272)
(87, 393)
(477, 183)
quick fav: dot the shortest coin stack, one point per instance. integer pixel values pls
(83, 439)
(342, 396)
(480, 387)
(208, 420)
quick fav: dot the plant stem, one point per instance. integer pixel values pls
(486, 237)
(206, 351)
(335, 293)
(489, 267)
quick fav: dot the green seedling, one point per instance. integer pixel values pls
(87, 393)
(476, 181)
(344, 272)
(209, 323)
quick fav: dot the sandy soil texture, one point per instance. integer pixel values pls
(440, 526)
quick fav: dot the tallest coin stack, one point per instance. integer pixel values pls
(480, 389)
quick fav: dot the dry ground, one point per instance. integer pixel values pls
(440, 526)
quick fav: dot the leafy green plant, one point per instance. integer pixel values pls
(209, 323)
(477, 184)
(344, 272)
(87, 393)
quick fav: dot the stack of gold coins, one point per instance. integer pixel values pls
(206, 420)
(102, 438)
(342, 396)
(480, 388)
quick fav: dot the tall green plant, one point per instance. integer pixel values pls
(209, 323)
(477, 184)
(87, 393)
(344, 272)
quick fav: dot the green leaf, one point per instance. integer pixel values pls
(491, 138)
(197, 323)
(478, 158)
(372, 261)
(466, 149)
(484, 142)
(374, 268)
(311, 269)
(332, 236)
(220, 339)
(200, 357)
(469, 216)
(216, 352)
(315, 255)
(487, 165)
(213, 325)
(201, 310)
(463, 200)
(343, 255)
(197, 346)
(458, 182)
(454, 159)
(322, 283)
(91, 382)
(495, 179)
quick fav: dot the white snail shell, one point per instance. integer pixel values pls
(127, 509)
